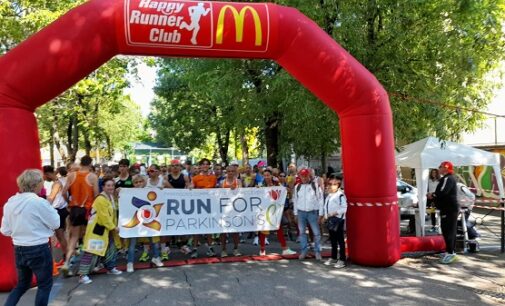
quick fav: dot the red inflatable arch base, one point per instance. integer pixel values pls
(63, 53)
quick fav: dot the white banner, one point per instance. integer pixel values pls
(147, 212)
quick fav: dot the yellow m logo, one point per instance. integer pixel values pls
(239, 24)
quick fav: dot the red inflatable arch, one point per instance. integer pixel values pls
(66, 51)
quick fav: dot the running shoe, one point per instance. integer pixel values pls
(236, 252)
(114, 271)
(319, 257)
(185, 249)
(210, 252)
(288, 251)
(194, 253)
(129, 267)
(157, 261)
(98, 267)
(144, 257)
(84, 279)
(302, 256)
(263, 253)
(340, 264)
(224, 253)
(330, 261)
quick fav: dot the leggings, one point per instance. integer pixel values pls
(88, 260)
(280, 237)
(338, 242)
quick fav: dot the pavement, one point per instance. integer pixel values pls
(475, 279)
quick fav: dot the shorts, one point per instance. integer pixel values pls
(78, 216)
(63, 213)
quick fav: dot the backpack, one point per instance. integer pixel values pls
(466, 198)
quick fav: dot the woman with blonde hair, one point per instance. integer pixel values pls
(102, 233)
(30, 221)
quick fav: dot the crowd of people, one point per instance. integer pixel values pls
(83, 199)
(78, 206)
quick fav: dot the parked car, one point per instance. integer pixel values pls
(407, 194)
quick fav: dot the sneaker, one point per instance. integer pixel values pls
(64, 270)
(224, 254)
(84, 279)
(302, 256)
(114, 271)
(164, 256)
(98, 267)
(129, 267)
(263, 253)
(210, 252)
(330, 261)
(255, 241)
(194, 253)
(288, 251)
(340, 264)
(449, 258)
(144, 257)
(319, 257)
(442, 255)
(266, 241)
(157, 262)
(185, 249)
(236, 252)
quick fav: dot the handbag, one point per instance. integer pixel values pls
(333, 223)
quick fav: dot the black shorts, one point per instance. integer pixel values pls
(63, 213)
(78, 216)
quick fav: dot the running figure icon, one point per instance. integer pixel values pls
(195, 13)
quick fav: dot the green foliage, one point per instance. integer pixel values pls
(94, 113)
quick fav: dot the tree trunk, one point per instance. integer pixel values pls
(323, 162)
(272, 139)
(72, 138)
(245, 148)
(223, 141)
(87, 143)
(109, 146)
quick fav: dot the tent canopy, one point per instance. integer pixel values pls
(429, 152)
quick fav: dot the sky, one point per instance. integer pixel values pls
(141, 91)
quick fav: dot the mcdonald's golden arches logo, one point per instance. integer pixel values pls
(239, 18)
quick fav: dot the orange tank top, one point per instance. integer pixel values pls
(81, 192)
(232, 185)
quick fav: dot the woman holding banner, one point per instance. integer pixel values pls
(102, 233)
(269, 182)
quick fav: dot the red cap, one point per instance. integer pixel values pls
(304, 172)
(175, 162)
(447, 165)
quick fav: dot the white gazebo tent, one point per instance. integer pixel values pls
(430, 152)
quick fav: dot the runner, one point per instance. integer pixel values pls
(195, 13)
(155, 178)
(139, 181)
(101, 238)
(55, 198)
(269, 182)
(83, 186)
(230, 181)
(204, 180)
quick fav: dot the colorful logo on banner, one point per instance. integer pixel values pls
(271, 211)
(197, 25)
(145, 214)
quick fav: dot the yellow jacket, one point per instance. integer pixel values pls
(103, 220)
